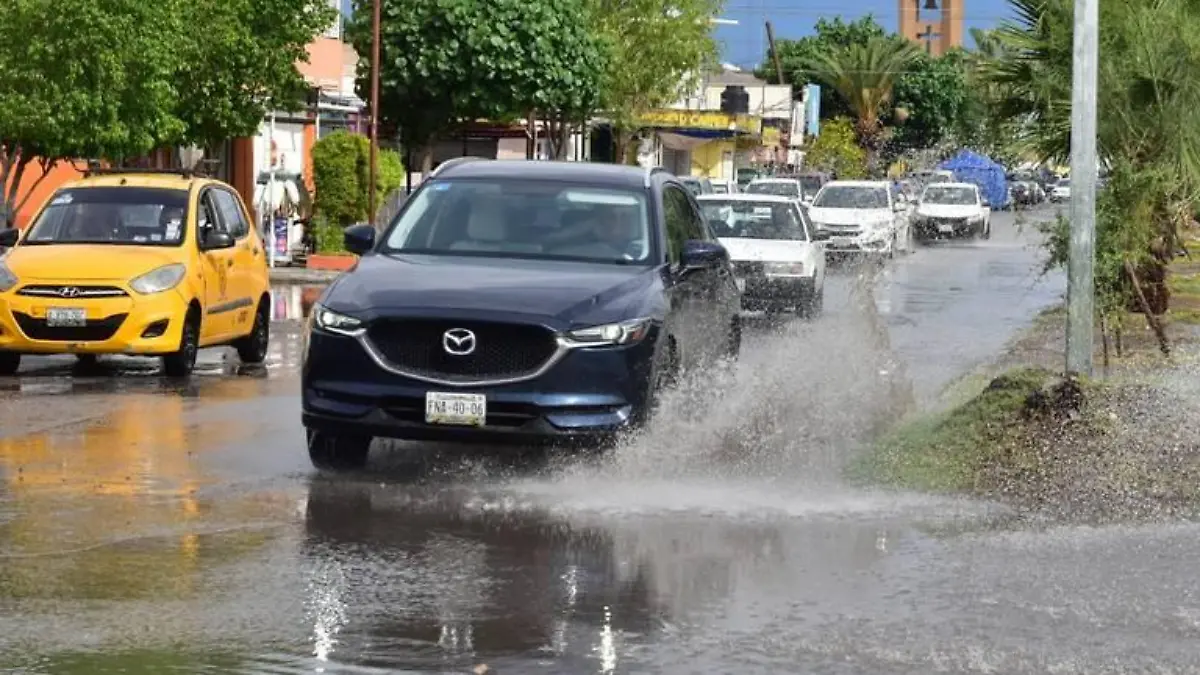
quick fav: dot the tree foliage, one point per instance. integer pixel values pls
(1148, 125)
(655, 54)
(117, 79)
(934, 93)
(341, 175)
(837, 151)
(447, 61)
(830, 35)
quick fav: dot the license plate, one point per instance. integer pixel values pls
(741, 284)
(842, 242)
(945, 229)
(66, 317)
(469, 410)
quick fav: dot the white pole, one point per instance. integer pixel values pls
(1080, 269)
(270, 199)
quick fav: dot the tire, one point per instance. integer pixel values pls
(182, 361)
(252, 349)
(987, 232)
(734, 348)
(9, 363)
(814, 304)
(331, 452)
(86, 361)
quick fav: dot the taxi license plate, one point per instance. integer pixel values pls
(469, 410)
(66, 317)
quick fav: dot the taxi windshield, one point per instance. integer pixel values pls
(127, 216)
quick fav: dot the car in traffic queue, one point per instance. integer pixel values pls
(778, 258)
(1061, 192)
(784, 187)
(515, 301)
(950, 210)
(725, 187)
(697, 185)
(862, 218)
(136, 262)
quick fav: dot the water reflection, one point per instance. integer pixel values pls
(111, 507)
(445, 577)
(293, 303)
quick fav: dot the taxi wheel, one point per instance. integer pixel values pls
(182, 362)
(9, 363)
(252, 349)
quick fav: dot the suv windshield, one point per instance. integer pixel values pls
(781, 188)
(851, 197)
(740, 219)
(127, 216)
(954, 196)
(518, 218)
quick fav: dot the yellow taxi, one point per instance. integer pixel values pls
(135, 262)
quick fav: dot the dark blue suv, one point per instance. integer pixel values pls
(515, 301)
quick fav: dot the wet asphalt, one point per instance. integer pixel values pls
(147, 526)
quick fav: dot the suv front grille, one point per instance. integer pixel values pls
(96, 330)
(748, 269)
(502, 350)
(71, 291)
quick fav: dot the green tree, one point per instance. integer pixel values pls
(933, 92)
(654, 56)
(865, 76)
(1148, 127)
(80, 79)
(836, 150)
(830, 35)
(237, 60)
(450, 61)
(341, 174)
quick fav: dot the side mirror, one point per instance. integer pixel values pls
(986, 204)
(9, 237)
(359, 239)
(822, 235)
(702, 254)
(899, 206)
(215, 240)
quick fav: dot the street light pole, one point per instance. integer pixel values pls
(375, 38)
(1081, 281)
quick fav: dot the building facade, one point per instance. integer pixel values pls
(935, 25)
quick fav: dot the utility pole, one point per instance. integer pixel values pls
(375, 38)
(774, 54)
(1081, 281)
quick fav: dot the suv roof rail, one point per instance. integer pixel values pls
(455, 161)
(650, 171)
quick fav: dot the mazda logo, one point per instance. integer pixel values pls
(69, 292)
(458, 341)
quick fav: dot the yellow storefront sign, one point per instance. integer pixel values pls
(696, 119)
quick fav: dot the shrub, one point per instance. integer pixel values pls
(328, 236)
(341, 171)
(836, 150)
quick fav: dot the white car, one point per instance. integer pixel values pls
(861, 217)
(1061, 192)
(784, 187)
(948, 210)
(725, 187)
(778, 258)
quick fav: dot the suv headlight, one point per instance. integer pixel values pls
(783, 269)
(162, 279)
(340, 324)
(7, 278)
(623, 333)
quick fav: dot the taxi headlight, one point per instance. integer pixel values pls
(7, 278)
(162, 279)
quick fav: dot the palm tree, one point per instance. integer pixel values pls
(864, 75)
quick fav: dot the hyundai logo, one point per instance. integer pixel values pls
(458, 341)
(68, 292)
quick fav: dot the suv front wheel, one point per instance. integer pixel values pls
(336, 452)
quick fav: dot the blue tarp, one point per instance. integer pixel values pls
(971, 167)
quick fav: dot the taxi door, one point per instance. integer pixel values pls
(217, 266)
(249, 277)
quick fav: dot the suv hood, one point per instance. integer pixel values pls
(557, 293)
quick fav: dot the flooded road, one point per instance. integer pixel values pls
(149, 527)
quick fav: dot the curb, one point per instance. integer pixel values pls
(301, 275)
